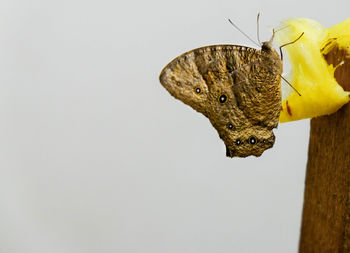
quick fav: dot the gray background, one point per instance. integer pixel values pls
(96, 156)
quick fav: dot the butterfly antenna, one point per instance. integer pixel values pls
(243, 32)
(257, 28)
(282, 28)
(289, 44)
(290, 85)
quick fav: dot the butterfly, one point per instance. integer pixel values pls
(237, 88)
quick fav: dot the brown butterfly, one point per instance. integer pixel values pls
(238, 88)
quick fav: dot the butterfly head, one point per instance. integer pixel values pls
(267, 46)
(250, 141)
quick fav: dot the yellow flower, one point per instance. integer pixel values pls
(311, 75)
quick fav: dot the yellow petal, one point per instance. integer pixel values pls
(311, 75)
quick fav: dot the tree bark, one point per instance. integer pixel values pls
(326, 213)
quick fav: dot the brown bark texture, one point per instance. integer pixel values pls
(326, 213)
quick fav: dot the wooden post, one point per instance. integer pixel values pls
(326, 213)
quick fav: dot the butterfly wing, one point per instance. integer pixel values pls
(219, 82)
(183, 80)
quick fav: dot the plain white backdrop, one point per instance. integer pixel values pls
(96, 156)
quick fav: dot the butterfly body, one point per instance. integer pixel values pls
(238, 88)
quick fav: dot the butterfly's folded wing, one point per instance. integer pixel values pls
(218, 82)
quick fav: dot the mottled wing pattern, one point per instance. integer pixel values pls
(236, 87)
